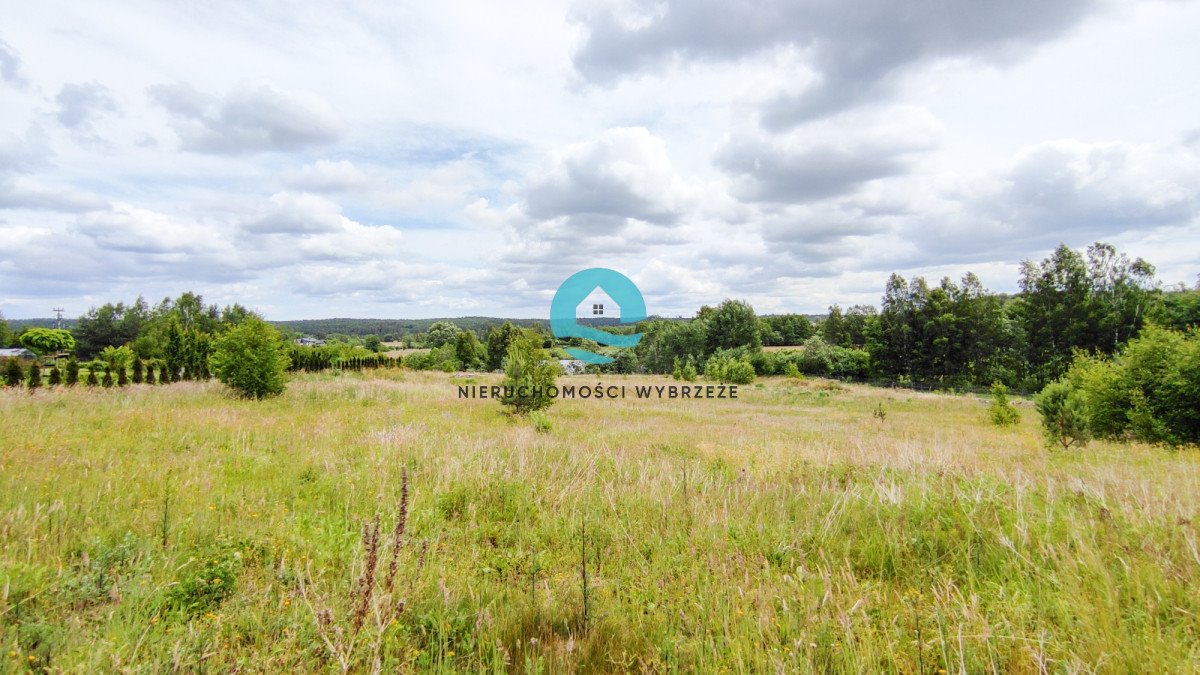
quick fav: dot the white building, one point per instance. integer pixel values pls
(597, 305)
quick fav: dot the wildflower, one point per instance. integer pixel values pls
(32, 658)
(13, 654)
(153, 621)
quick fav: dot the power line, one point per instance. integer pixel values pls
(58, 312)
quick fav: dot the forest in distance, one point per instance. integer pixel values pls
(945, 335)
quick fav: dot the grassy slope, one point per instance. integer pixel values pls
(790, 529)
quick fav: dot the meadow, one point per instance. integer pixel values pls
(808, 526)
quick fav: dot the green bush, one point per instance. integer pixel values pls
(541, 422)
(72, 373)
(821, 358)
(35, 376)
(1002, 412)
(725, 368)
(14, 374)
(1064, 415)
(528, 375)
(1148, 392)
(206, 585)
(791, 370)
(55, 377)
(688, 374)
(251, 359)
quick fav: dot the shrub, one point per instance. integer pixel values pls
(149, 374)
(723, 368)
(55, 376)
(35, 376)
(72, 373)
(1003, 414)
(108, 379)
(14, 374)
(765, 363)
(117, 358)
(251, 359)
(688, 374)
(91, 380)
(541, 422)
(1147, 392)
(790, 370)
(528, 375)
(1064, 416)
(122, 378)
(206, 586)
(138, 375)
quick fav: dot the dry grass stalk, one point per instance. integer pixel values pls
(366, 583)
(398, 531)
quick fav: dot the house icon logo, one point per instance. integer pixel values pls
(620, 291)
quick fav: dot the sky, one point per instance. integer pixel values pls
(410, 160)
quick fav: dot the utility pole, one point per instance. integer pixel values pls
(58, 312)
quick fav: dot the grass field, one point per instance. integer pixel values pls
(794, 529)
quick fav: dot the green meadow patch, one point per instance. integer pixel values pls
(374, 520)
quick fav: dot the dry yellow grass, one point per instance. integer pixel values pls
(788, 530)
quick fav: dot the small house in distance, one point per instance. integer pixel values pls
(19, 353)
(309, 342)
(598, 306)
(572, 366)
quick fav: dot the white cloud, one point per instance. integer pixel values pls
(420, 160)
(292, 213)
(80, 104)
(251, 118)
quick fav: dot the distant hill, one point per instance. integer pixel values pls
(397, 327)
(402, 327)
(18, 324)
(361, 327)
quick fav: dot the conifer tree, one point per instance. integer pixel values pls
(35, 376)
(14, 374)
(108, 378)
(137, 370)
(149, 374)
(91, 380)
(55, 376)
(122, 378)
(72, 373)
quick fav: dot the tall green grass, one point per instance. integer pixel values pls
(793, 529)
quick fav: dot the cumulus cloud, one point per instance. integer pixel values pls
(625, 173)
(20, 188)
(292, 213)
(137, 230)
(249, 119)
(329, 176)
(828, 158)
(1065, 190)
(854, 48)
(80, 104)
(10, 66)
